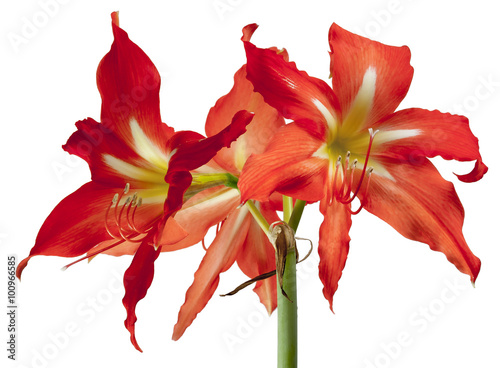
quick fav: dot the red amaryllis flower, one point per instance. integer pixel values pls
(347, 142)
(240, 239)
(140, 173)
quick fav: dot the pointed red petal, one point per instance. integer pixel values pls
(333, 245)
(192, 154)
(76, 224)
(352, 55)
(264, 124)
(129, 84)
(220, 256)
(422, 206)
(137, 280)
(292, 92)
(436, 134)
(257, 257)
(287, 166)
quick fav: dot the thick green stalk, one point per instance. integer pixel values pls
(287, 208)
(287, 315)
(296, 214)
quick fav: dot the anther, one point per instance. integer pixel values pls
(134, 199)
(354, 163)
(127, 188)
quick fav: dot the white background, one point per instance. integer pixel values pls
(394, 307)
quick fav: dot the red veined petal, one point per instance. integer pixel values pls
(287, 166)
(78, 223)
(294, 93)
(415, 133)
(258, 257)
(422, 206)
(192, 154)
(333, 245)
(352, 55)
(111, 161)
(129, 85)
(137, 280)
(219, 257)
(264, 124)
(203, 211)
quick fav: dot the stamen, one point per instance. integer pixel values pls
(343, 192)
(372, 136)
(331, 191)
(203, 244)
(365, 192)
(113, 202)
(93, 254)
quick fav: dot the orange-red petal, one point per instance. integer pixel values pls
(352, 55)
(333, 245)
(264, 124)
(257, 257)
(437, 134)
(219, 257)
(294, 93)
(422, 206)
(288, 166)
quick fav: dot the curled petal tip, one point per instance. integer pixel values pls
(476, 174)
(248, 31)
(115, 18)
(21, 266)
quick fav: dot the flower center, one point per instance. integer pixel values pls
(342, 175)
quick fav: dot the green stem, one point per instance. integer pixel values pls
(296, 214)
(287, 208)
(287, 315)
(264, 225)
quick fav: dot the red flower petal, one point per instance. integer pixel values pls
(112, 162)
(333, 245)
(293, 93)
(288, 166)
(351, 57)
(219, 257)
(194, 153)
(203, 211)
(264, 124)
(437, 134)
(129, 85)
(258, 257)
(422, 206)
(137, 280)
(75, 225)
